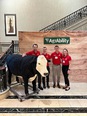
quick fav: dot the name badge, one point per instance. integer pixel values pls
(56, 57)
(63, 61)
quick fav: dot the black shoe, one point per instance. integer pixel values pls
(64, 87)
(48, 86)
(67, 88)
(40, 88)
(44, 87)
(58, 86)
(54, 86)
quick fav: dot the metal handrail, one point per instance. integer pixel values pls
(10, 50)
(68, 20)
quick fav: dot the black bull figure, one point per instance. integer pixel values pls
(27, 67)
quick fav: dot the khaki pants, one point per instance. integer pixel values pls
(56, 73)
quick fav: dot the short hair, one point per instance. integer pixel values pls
(44, 47)
(56, 46)
(35, 45)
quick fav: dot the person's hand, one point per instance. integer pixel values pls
(23, 55)
(68, 71)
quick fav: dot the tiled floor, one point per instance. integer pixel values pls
(77, 89)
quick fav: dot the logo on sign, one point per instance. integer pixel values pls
(56, 40)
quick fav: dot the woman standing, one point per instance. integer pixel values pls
(66, 58)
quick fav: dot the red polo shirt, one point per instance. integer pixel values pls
(56, 58)
(47, 56)
(66, 59)
(37, 53)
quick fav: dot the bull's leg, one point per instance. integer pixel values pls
(9, 76)
(34, 84)
(26, 85)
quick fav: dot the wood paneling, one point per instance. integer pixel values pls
(77, 49)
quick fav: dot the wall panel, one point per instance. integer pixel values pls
(77, 49)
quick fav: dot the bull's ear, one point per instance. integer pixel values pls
(42, 56)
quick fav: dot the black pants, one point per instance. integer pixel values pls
(65, 74)
(46, 78)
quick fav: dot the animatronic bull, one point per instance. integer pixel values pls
(27, 67)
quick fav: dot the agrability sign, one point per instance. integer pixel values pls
(57, 40)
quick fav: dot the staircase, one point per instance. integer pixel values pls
(6, 49)
(68, 20)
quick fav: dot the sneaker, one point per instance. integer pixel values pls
(67, 88)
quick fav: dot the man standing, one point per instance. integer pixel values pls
(56, 68)
(36, 53)
(47, 56)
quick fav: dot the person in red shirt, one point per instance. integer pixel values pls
(56, 68)
(66, 59)
(36, 53)
(47, 56)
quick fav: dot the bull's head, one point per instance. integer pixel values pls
(41, 66)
